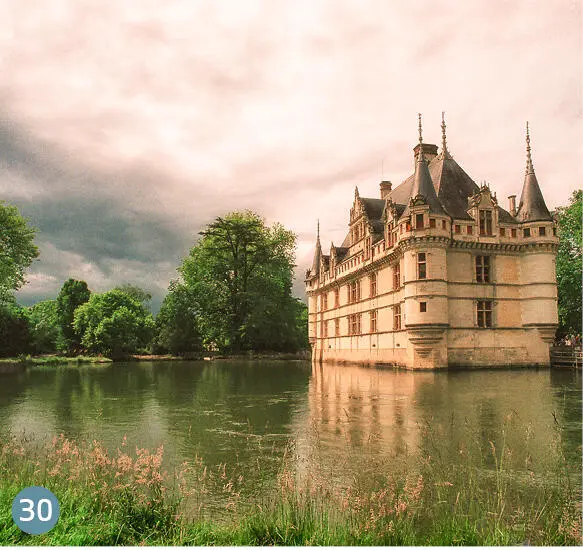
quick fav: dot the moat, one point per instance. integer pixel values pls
(251, 417)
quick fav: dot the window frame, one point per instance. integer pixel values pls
(483, 268)
(421, 265)
(373, 321)
(373, 285)
(397, 317)
(486, 221)
(484, 313)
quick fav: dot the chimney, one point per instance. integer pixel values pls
(429, 151)
(512, 199)
(386, 187)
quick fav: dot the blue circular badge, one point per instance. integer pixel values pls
(35, 510)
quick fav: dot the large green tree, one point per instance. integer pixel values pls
(14, 332)
(569, 222)
(176, 323)
(44, 327)
(17, 250)
(240, 276)
(72, 294)
(113, 324)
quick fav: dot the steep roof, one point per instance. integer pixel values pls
(532, 205)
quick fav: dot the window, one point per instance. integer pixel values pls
(336, 297)
(484, 310)
(325, 329)
(337, 327)
(397, 318)
(421, 266)
(373, 320)
(354, 292)
(502, 232)
(373, 285)
(422, 307)
(458, 228)
(483, 269)
(419, 221)
(527, 232)
(485, 222)
(408, 226)
(542, 231)
(432, 223)
(324, 301)
(443, 226)
(513, 232)
(470, 229)
(354, 324)
(397, 276)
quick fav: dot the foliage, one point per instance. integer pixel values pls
(113, 324)
(176, 323)
(44, 327)
(240, 277)
(17, 250)
(569, 222)
(14, 332)
(72, 294)
(135, 292)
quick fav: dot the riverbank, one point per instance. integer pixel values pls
(12, 363)
(127, 498)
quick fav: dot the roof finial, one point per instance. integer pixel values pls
(444, 150)
(529, 166)
(421, 156)
(318, 230)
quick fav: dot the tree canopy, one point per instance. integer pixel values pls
(73, 293)
(569, 222)
(239, 276)
(17, 250)
(113, 324)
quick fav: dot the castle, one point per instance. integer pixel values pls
(436, 274)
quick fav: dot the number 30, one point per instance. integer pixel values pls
(39, 509)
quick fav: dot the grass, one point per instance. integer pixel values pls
(53, 360)
(479, 494)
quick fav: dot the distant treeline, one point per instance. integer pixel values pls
(233, 295)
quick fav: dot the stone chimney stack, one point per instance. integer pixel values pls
(512, 199)
(386, 187)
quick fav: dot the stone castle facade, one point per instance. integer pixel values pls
(435, 274)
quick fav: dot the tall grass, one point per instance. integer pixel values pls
(452, 491)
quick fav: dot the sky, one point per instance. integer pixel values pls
(126, 126)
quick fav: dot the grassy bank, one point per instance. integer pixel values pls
(53, 360)
(127, 498)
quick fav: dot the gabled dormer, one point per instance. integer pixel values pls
(483, 208)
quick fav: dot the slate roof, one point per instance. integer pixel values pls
(532, 207)
(423, 186)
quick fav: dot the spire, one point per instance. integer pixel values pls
(317, 254)
(422, 183)
(532, 205)
(444, 151)
(529, 166)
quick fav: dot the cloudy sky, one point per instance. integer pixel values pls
(126, 126)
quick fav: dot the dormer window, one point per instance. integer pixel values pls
(542, 231)
(419, 221)
(485, 222)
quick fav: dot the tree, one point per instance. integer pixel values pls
(240, 276)
(17, 250)
(113, 324)
(14, 333)
(569, 266)
(139, 294)
(176, 323)
(72, 294)
(44, 327)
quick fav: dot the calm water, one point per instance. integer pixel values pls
(339, 420)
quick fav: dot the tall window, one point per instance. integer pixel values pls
(483, 269)
(527, 232)
(336, 297)
(419, 221)
(373, 320)
(484, 310)
(421, 265)
(354, 324)
(324, 301)
(337, 327)
(373, 285)
(325, 329)
(513, 232)
(397, 276)
(542, 231)
(397, 318)
(354, 292)
(485, 222)
(502, 232)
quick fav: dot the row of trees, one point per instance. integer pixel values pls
(233, 295)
